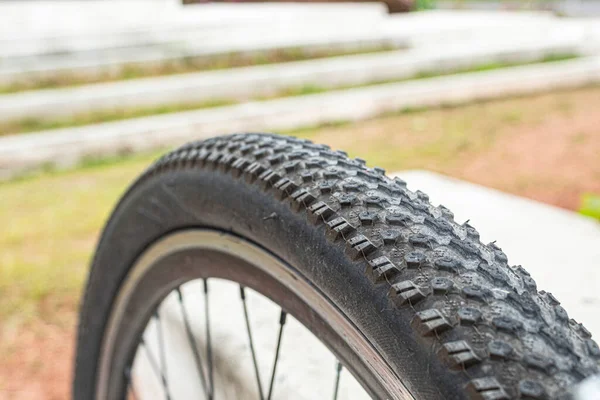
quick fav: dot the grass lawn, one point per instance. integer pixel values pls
(545, 147)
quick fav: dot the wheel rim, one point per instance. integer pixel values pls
(205, 254)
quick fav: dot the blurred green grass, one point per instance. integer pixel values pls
(51, 223)
(590, 206)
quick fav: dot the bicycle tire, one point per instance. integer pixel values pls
(448, 314)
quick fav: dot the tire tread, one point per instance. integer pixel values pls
(486, 318)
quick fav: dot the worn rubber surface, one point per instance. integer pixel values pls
(447, 312)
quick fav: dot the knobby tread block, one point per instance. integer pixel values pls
(484, 318)
(431, 322)
(460, 353)
(382, 269)
(487, 388)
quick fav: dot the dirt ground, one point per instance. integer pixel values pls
(37, 362)
(554, 163)
(546, 148)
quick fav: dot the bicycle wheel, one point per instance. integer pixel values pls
(406, 299)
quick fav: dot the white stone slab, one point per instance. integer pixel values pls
(45, 27)
(32, 28)
(559, 248)
(248, 82)
(64, 19)
(19, 153)
(48, 55)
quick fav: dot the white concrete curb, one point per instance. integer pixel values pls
(58, 26)
(66, 146)
(248, 82)
(408, 30)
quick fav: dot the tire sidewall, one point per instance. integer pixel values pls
(204, 198)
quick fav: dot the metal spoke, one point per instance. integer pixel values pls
(282, 319)
(211, 391)
(337, 380)
(156, 369)
(243, 296)
(193, 345)
(161, 347)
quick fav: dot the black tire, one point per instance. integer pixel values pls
(448, 314)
